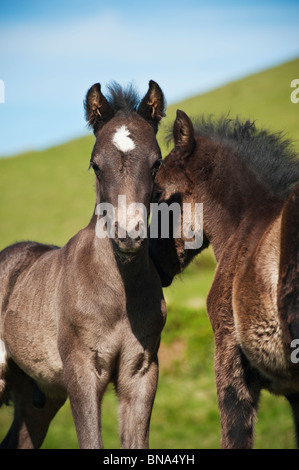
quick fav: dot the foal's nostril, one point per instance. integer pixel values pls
(120, 232)
(137, 228)
(140, 228)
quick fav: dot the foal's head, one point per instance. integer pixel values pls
(176, 182)
(231, 167)
(125, 158)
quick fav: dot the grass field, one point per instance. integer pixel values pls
(48, 196)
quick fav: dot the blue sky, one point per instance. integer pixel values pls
(52, 52)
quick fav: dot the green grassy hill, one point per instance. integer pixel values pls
(263, 97)
(49, 195)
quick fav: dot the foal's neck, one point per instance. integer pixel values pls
(233, 195)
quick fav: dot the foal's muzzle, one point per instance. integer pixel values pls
(132, 240)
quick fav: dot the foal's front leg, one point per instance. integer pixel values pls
(85, 386)
(136, 394)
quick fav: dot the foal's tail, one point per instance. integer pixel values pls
(2, 371)
(288, 284)
(2, 365)
(2, 352)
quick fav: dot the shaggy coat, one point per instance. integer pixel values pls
(247, 181)
(75, 318)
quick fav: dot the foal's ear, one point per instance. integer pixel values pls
(183, 132)
(152, 107)
(97, 109)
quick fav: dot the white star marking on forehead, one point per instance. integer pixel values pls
(122, 139)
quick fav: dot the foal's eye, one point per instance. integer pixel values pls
(156, 167)
(156, 196)
(95, 168)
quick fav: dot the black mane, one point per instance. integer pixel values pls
(122, 100)
(269, 155)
